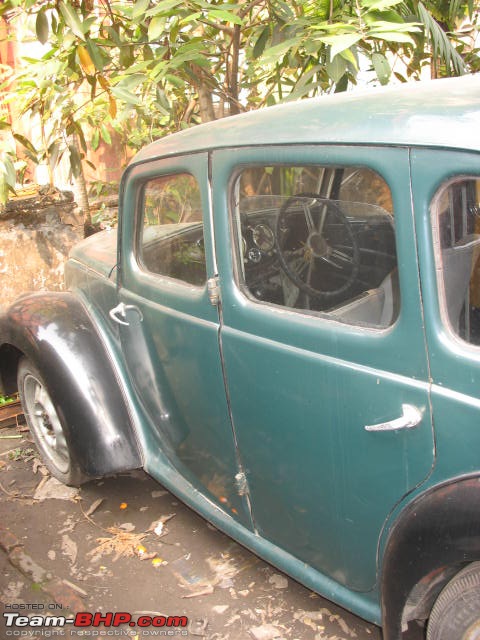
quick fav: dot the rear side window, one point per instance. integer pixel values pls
(456, 230)
(170, 237)
(318, 239)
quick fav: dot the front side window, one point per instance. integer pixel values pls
(456, 220)
(318, 239)
(171, 229)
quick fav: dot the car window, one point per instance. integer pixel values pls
(456, 219)
(171, 229)
(318, 239)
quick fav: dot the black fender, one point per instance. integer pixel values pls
(55, 332)
(433, 537)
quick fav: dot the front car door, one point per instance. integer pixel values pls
(324, 349)
(169, 331)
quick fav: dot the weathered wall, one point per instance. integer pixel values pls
(34, 244)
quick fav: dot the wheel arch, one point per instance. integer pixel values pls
(432, 539)
(55, 332)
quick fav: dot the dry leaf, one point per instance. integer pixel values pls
(94, 506)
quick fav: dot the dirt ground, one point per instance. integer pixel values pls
(125, 544)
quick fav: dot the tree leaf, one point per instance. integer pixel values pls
(126, 96)
(127, 55)
(379, 5)
(86, 61)
(25, 142)
(336, 68)
(98, 55)
(382, 67)
(164, 8)
(72, 19)
(112, 106)
(340, 42)
(392, 36)
(105, 134)
(261, 42)
(10, 173)
(41, 26)
(95, 139)
(156, 27)
(272, 54)
(54, 154)
(225, 16)
(140, 8)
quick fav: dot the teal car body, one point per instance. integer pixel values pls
(284, 332)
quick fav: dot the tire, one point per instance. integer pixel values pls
(46, 426)
(456, 612)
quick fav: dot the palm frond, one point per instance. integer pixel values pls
(442, 47)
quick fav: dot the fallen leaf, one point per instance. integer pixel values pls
(94, 506)
(69, 548)
(265, 632)
(204, 591)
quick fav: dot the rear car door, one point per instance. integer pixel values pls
(447, 196)
(323, 346)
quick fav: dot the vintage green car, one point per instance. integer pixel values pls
(285, 332)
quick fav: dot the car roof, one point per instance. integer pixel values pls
(436, 113)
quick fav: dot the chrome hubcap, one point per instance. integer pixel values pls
(46, 424)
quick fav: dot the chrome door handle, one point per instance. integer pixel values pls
(411, 417)
(119, 313)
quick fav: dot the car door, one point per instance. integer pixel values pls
(325, 359)
(169, 329)
(446, 199)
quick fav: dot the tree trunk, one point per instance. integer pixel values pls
(205, 101)
(80, 187)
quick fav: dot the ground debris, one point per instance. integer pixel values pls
(278, 581)
(198, 627)
(69, 548)
(39, 466)
(312, 618)
(158, 526)
(265, 632)
(159, 493)
(220, 608)
(120, 543)
(54, 489)
(94, 506)
(203, 591)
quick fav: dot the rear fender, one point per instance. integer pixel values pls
(432, 539)
(56, 333)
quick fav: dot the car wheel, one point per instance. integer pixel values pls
(456, 612)
(46, 426)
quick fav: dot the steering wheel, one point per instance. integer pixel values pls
(317, 247)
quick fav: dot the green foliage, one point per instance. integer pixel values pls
(145, 68)
(4, 400)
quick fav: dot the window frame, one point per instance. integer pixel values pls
(139, 229)
(239, 270)
(438, 258)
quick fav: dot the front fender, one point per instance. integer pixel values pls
(433, 536)
(55, 331)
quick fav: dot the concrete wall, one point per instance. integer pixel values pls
(34, 244)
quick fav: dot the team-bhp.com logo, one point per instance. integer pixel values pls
(95, 620)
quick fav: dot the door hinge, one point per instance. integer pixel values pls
(213, 285)
(241, 483)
